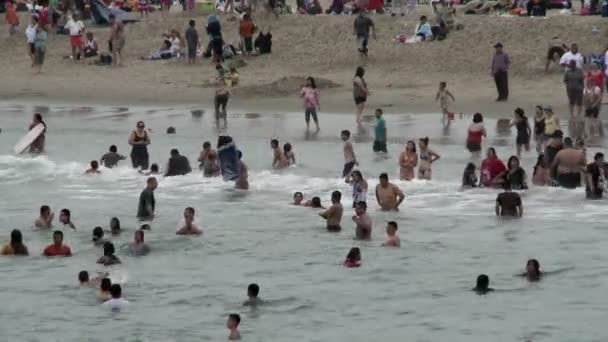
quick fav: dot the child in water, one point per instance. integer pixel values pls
(443, 96)
(392, 239)
(353, 259)
(233, 325)
(289, 155)
(94, 169)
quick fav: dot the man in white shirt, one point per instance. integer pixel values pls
(572, 55)
(116, 303)
(76, 28)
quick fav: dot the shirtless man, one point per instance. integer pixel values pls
(363, 230)
(45, 220)
(189, 227)
(208, 161)
(333, 215)
(392, 239)
(569, 162)
(243, 181)
(349, 155)
(278, 161)
(94, 169)
(388, 195)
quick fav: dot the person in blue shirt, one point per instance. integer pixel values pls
(380, 136)
(423, 29)
(40, 48)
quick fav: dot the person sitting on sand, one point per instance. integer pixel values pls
(353, 259)
(469, 178)
(423, 29)
(188, 227)
(93, 169)
(108, 257)
(91, 48)
(165, 52)
(392, 239)
(483, 285)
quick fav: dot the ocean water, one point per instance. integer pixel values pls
(186, 287)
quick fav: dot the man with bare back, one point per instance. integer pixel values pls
(388, 195)
(333, 215)
(569, 163)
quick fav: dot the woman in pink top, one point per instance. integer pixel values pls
(310, 96)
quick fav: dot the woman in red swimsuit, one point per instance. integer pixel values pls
(475, 135)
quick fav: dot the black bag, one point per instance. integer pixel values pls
(105, 58)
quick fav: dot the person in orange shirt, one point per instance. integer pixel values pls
(12, 20)
(16, 246)
(57, 248)
(246, 29)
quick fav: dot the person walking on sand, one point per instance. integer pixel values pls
(500, 67)
(192, 41)
(360, 92)
(40, 48)
(443, 96)
(574, 79)
(30, 34)
(362, 26)
(117, 40)
(310, 96)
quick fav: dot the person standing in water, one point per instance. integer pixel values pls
(541, 175)
(360, 92)
(523, 131)
(45, 220)
(209, 162)
(177, 165)
(443, 96)
(38, 145)
(380, 133)
(483, 285)
(242, 182)
(189, 227)
(569, 163)
(539, 129)
(595, 177)
(363, 230)
(349, 154)
(514, 175)
(388, 195)
(408, 160)
(289, 155)
(475, 134)
(508, 203)
(392, 239)
(140, 140)
(359, 187)
(147, 203)
(57, 248)
(310, 96)
(138, 247)
(278, 157)
(108, 258)
(333, 215)
(427, 157)
(15, 246)
(469, 178)
(111, 158)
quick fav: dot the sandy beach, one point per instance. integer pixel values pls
(402, 79)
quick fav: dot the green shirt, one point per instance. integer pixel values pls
(380, 130)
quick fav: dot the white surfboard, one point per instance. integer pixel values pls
(28, 139)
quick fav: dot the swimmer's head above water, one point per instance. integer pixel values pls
(360, 208)
(105, 285)
(154, 169)
(391, 228)
(97, 234)
(115, 225)
(533, 271)
(274, 143)
(189, 214)
(253, 290)
(315, 202)
(108, 249)
(65, 216)
(483, 283)
(83, 277)
(206, 145)
(345, 135)
(298, 197)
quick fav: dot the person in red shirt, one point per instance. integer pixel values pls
(57, 248)
(246, 30)
(597, 76)
(491, 167)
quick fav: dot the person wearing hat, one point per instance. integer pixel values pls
(500, 68)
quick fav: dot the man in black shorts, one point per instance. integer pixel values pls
(362, 27)
(575, 85)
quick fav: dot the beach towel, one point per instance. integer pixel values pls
(229, 158)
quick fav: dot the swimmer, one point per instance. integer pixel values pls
(111, 158)
(108, 258)
(98, 239)
(534, 272)
(15, 246)
(298, 198)
(147, 203)
(116, 303)
(333, 215)
(252, 292)
(115, 226)
(483, 283)
(314, 203)
(233, 326)
(57, 248)
(65, 218)
(138, 247)
(508, 203)
(45, 220)
(243, 181)
(349, 154)
(363, 230)
(177, 165)
(103, 293)
(569, 162)
(278, 160)
(392, 239)
(93, 169)
(289, 155)
(83, 279)
(208, 161)
(388, 195)
(353, 259)
(189, 227)
(469, 178)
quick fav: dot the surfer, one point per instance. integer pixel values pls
(140, 140)
(252, 293)
(37, 146)
(188, 227)
(111, 158)
(363, 231)
(243, 181)
(65, 218)
(208, 160)
(279, 161)
(93, 169)
(177, 165)
(147, 203)
(388, 195)
(57, 248)
(333, 215)
(108, 258)
(45, 220)
(138, 247)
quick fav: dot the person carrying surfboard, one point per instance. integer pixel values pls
(37, 146)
